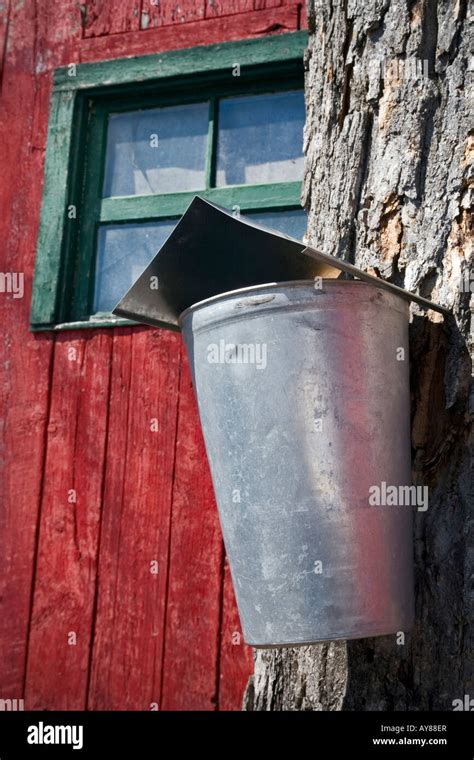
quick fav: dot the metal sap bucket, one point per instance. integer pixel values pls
(304, 405)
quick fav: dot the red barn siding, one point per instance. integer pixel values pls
(76, 410)
(169, 12)
(65, 578)
(131, 600)
(105, 17)
(26, 360)
(194, 601)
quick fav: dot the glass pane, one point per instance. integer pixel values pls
(260, 139)
(162, 150)
(123, 252)
(292, 223)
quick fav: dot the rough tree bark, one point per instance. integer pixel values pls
(389, 186)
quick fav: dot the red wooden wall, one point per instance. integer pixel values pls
(84, 620)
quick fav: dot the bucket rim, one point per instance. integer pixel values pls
(266, 285)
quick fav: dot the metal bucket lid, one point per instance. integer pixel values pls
(211, 251)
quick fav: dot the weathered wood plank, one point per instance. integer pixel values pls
(128, 641)
(64, 590)
(195, 578)
(164, 12)
(228, 7)
(57, 41)
(99, 695)
(106, 17)
(200, 59)
(25, 362)
(53, 210)
(59, 32)
(261, 4)
(271, 21)
(4, 19)
(247, 197)
(236, 659)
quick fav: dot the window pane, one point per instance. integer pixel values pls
(260, 139)
(292, 223)
(123, 252)
(162, 150)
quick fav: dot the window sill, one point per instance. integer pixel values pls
(94, 322)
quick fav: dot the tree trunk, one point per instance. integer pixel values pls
(389, 186)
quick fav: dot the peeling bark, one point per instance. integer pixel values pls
(388, 185)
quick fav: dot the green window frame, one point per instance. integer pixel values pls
(73, 207)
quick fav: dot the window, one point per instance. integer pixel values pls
(172, 150)
(132, 141)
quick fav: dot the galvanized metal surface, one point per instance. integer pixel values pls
(297, 430)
